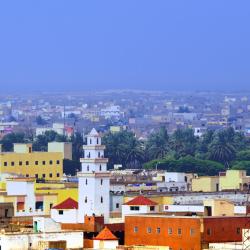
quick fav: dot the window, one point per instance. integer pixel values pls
(60, 212)
(50, 175)
(238, 231)
(5, 164)
(170, 231)
(152, 208)
(36, 175)
(117, 205)
(27, 175)
(209, 231)
(36, 162)
(44, 175)
(191, 231)
(90, 141)
(27, 163)
(149, 230)
(179, 231)
(158, 230)
(86, 199)
(44, 162)
(88, 168)
(20, 163)
(101, 181)
(99, 154)
(134, 208)
(101, 199)
(86, 182)
(57, 175)
(97, 141)
(100, 168)
(57, 162)
(50, 162)
(12, 163)
(50, 205)
(135, 229)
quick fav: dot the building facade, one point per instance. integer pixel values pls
(94, 180)
(23, 161)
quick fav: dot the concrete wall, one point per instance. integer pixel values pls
(26, 241)
(205, 184)
(42, 224)
(63, 147)
(105, 244)
(68, 216)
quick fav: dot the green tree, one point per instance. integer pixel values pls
(183, 142)
(243, 155)
(157, 145)
(9, 139)
(123, 148)
(222, 149)
(40, 121)
(187, 164)
(242, 165)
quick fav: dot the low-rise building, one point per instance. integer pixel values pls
(139, 205)
(183, 232)
(23, 161)
(205, 184)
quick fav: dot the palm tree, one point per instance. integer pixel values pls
(157, 146)
(183, 142)
(221, 150)
(135, 153)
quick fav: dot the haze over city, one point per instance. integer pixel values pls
(98, 45)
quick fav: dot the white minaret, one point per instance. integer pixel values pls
(94, 180)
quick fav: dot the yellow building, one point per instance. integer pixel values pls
(218, 207)
(234, 179)
(23, 161)
(205, 184)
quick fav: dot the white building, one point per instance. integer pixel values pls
(65, 212)
(105, 240)
(24, 240)
(173, 182)
(26, 203)
(112, 111)
(94, 180)
(139, 205)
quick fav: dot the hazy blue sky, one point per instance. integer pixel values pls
(156, 44)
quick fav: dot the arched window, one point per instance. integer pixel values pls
(86, 199)
(101, 199)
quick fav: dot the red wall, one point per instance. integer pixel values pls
(175, 241)
(224, 229)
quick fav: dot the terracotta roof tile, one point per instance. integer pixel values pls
(67, 204)
(105, 234)
(140, 201)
